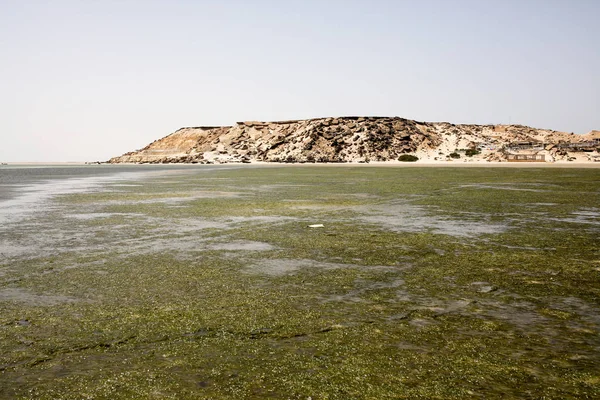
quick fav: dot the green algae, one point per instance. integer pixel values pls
(145, 309)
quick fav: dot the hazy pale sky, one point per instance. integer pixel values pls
(88, 80)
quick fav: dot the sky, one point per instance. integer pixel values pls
(88, 80)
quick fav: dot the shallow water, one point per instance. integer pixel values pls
(207, 282)
(27, 189)
(410, 218)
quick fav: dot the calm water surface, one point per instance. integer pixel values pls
(27, 188)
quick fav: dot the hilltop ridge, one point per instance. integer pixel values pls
(362, 139)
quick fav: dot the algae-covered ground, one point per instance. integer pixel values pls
(209, 283)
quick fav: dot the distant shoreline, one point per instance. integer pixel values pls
(439, 164)
(47, 163)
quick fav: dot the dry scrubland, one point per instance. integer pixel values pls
(195, 283)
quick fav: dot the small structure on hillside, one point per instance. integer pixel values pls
(526, 151)
(589, 145)
(526, 145)
(526, 157)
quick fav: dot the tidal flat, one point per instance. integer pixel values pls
(205, 282)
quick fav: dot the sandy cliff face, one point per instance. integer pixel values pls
(351, 139)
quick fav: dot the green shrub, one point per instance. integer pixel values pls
(471, 152)
(408, 157)
(454, 155)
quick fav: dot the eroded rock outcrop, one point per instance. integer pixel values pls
(345, 139)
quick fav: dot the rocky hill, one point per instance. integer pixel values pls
(361, 139)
